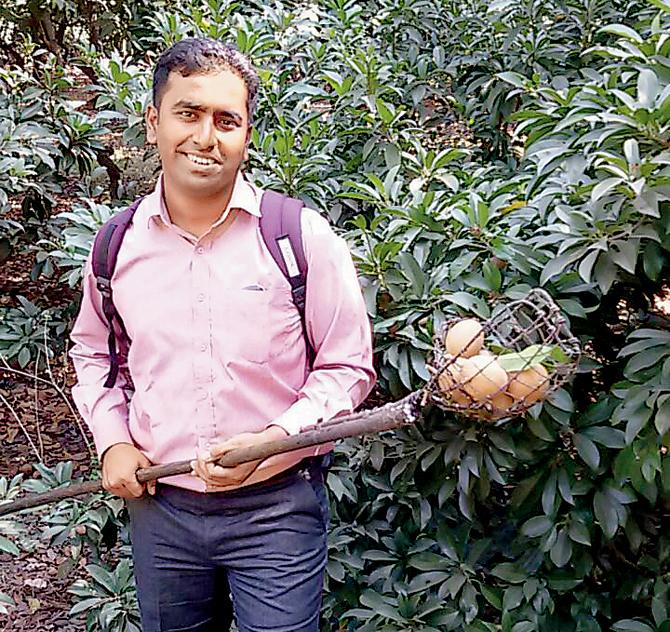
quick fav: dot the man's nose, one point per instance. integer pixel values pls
(204, 133)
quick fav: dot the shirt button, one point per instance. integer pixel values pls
(203, 347)
(201, 297)
(200, 250)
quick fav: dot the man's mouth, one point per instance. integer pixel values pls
(199, 160)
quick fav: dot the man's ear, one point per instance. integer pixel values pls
(250, 129)
(151, 120)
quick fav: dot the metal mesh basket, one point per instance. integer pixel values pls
(527, 339)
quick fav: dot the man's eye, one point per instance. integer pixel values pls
(187, 114)
(225, 121)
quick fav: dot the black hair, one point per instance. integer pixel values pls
(200, 55)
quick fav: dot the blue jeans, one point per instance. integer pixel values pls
(267, 544)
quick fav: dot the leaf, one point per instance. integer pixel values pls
(609, 437)
(579, 533)
(8, 546)
(605, 272)
(587, 450)
(561, 551)
(375, 601)
(631, 625)
(662, 418)
(529, 357)
(428, 561)
(603, 188)
(512, 597)
(509, 572)
(537, 526)
(102, 576)
(625, 255)
(413, 272)
(606, 514)
(647, 88)
(516, 79)
(623, 31)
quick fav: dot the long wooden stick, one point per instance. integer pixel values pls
(385, 417)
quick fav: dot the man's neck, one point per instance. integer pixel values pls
(195, 215)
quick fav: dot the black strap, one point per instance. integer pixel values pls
(281, 230)
(103, 260)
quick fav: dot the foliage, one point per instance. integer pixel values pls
(561, 179)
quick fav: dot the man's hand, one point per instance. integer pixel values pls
(119, 464)
(218, 478)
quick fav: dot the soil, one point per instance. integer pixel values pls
(37, 424)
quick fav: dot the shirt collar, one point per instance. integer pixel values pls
(245, 197)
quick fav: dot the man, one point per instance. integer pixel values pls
(218, 361)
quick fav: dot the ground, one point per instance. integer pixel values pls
(38, 411)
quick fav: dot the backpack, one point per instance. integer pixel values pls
(282, 235)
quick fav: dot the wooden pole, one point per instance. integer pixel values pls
(387, 417)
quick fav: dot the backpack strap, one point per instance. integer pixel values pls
(282, 233)
(103, 261)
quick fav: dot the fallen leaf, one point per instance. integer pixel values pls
(34, 604)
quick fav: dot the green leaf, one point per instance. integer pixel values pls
(631, 625)
(647, 88)
(579, 533)
(653, 260)
(609, 437)
(512, 598)
(561, 552)
(662, 418)
(375, 601)
(516, 79)
(587, 450)
(537, 526)
(603, 188)
(509, 572)
(622, 31)
(7, 546)
(413, 272)
(428, 561)
(606, 514)
(529, 357)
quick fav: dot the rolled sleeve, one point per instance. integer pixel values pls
(339, 330)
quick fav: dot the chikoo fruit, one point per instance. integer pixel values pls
(501, 401)
(449, 382)
(530, 385)
(465, 338)
(482, 377)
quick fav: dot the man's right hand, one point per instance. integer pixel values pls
(119, 464)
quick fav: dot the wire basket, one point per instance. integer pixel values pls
(501, 367)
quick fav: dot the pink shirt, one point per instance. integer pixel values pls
(218, 347)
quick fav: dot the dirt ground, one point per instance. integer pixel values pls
(37, 424)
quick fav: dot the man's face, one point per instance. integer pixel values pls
(201, 131)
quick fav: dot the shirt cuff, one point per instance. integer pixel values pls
(300, 415)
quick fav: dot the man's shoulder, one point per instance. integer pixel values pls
(313, 223)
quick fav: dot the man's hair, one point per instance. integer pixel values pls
(200, 55)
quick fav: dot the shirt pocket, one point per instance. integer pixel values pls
(245, 324)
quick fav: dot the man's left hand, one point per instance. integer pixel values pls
(218, 478)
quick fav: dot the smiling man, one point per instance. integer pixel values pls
(214, 357)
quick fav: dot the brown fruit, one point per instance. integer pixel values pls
(449, 382)
(530, 385)
(501, 401)
(483, 377)
(464, 338)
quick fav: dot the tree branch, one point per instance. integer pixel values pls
(375, 420)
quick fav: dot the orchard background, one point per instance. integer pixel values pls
(469, 150)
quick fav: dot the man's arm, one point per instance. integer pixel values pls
(105, 410)
(338, 327)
